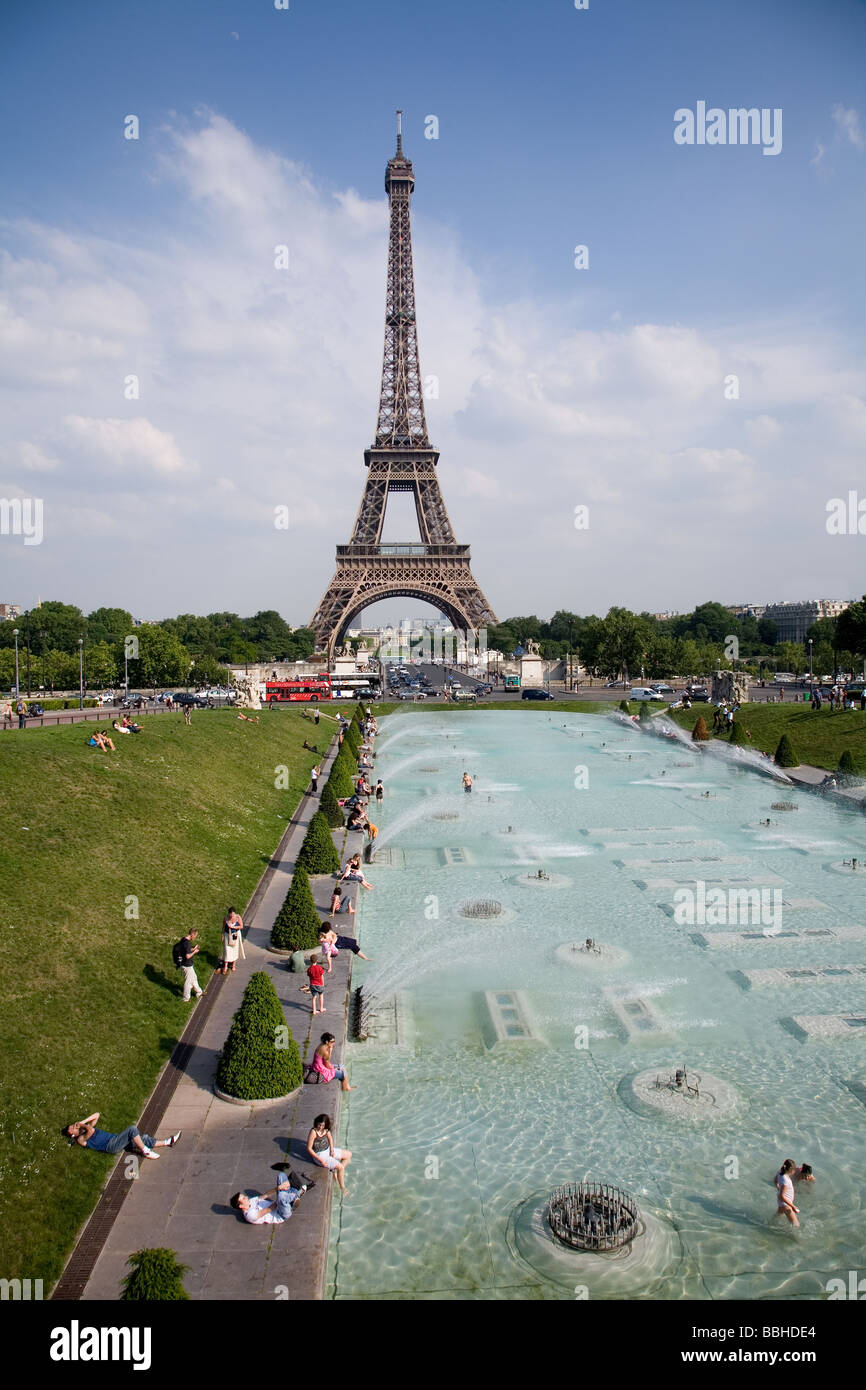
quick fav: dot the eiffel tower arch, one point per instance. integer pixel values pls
(434, 568)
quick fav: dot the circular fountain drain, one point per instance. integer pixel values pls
(429, 769)
(593, 1216)
(484, 909)
(699, 1097)
(603, 958)
(628, 1270)
(784, 806)
(446, 815)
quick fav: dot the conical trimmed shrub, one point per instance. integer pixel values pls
(785, 755)
(340, 779)
(353, 739)
(297, 924)
(738, 733)
(644, 712)
(317, 854)
(846, 767)
(260, 1059)
(700, 733)
(156, 1276)
(623, 704)
(330, 806)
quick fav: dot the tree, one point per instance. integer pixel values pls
(623, 704)
(738, 733)
(260, 1059)
(156, 1277)
(297, 925)
(207, 671)
(790, 656)
(623, 641)
(700, 733)
(62, 624)
(644, 713)
(846, 767)
(317, 853)
(102, 665)
(161, 658)
(851, 628)
(785, 755)
(768, 631)
(108, 625)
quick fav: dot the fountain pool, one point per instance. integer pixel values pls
(459, 1128)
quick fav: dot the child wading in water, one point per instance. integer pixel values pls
(785, 1190)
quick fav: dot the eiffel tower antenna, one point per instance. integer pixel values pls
(401, 459)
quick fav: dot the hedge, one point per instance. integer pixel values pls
(260, 1059)
(785, 755)
(297, 924)
(156, 1276)
(341, 779)
(317, 854)
(330, 806)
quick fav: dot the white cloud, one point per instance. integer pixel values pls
(847, 123)
(126, 445)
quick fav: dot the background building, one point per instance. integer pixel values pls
(794, 619)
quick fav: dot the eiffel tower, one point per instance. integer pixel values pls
(401, 459)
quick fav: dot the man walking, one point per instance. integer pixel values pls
(314, 777)
(184, 953)
(21, 711)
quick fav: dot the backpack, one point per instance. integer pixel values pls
(178, 953)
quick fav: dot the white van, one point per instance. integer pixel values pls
(643, 692)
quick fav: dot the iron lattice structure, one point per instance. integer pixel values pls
(435, 569)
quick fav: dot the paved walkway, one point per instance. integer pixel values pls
(184, 1202)
(806, 776)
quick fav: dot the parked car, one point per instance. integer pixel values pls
(108, 697)
(662, 688)
(132, 701)
(185, 697)
(536, 695)
(458, 693)
(698, 693)
(484, 690)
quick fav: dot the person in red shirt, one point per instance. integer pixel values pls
(316, 977)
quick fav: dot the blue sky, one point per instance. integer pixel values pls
(555, 128)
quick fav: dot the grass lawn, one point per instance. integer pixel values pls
(184, 819)
(819, 739)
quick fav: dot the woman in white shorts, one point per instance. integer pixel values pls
(321, 1148)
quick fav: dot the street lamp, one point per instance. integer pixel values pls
(42, 637)
(81, 673)
(810, 664)
(17, 688)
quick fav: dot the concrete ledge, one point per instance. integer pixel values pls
(265, 1100)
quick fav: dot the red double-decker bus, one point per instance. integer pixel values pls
(313, 688)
